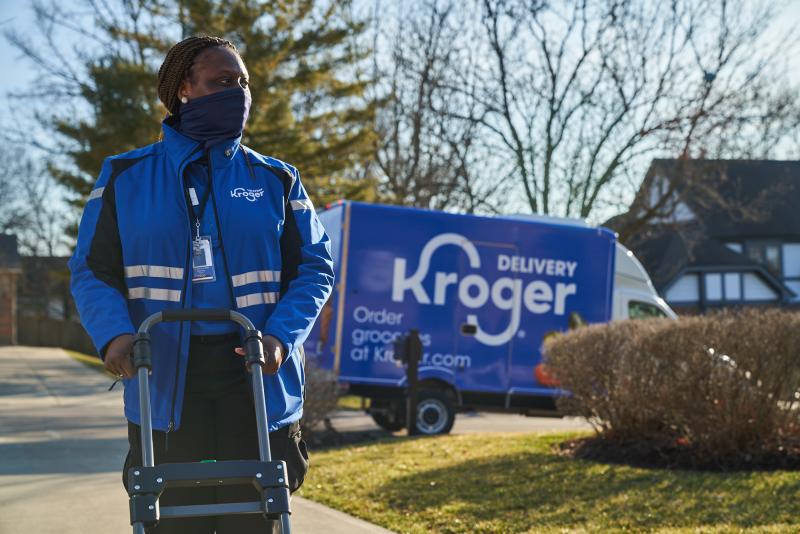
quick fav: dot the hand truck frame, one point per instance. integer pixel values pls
(148, 481)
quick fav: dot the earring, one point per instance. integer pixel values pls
(184, 100)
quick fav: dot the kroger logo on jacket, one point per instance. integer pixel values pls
(249, 194)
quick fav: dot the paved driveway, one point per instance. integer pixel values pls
(472, 423)
(62, 445)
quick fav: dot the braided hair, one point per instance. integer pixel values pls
(178, 63)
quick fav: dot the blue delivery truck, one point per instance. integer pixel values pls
(482, 291)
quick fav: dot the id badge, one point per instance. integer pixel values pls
(202, 260)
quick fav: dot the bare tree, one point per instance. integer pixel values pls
(13, 211)
(426, 154)
(30, 207)
(577, 97)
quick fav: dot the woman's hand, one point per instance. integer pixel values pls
(273, 355)
(118, 356)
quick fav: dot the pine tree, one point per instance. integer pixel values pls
(125, 114)
(309, 104)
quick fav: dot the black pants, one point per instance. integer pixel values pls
(217, 423)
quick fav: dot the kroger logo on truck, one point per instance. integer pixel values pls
(474, 291)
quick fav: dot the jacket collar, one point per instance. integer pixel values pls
(182, 149)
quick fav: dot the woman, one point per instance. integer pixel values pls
(197, 220)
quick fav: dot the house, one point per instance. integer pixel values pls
(36, 305)
(718, 233)
(43, 289)
(10, 270)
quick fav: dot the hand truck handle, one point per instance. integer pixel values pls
(196, 314)
(142, 354)
(143, 362)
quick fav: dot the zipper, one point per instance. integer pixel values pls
(186, 266)
(219, 233)
(171, 425)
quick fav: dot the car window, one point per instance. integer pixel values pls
(644, 310)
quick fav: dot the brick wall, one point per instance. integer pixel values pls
(8, 307)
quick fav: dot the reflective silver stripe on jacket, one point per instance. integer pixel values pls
(154, 293)
(255, 276)
(156, 271)
(256, 298)
(96, 193)
(302, 204)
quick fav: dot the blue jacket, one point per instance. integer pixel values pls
(132, 259)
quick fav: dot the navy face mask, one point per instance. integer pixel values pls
(212, 118)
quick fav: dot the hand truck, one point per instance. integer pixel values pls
(147, 482)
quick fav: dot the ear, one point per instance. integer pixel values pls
(185, 89)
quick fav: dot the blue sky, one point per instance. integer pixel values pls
(19, 73)
(12, 12)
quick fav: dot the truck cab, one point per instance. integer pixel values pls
(634, 294)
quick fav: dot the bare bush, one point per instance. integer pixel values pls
(321, 396)
(723, 387)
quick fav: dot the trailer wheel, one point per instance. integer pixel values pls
(435, 412)
(387, 415)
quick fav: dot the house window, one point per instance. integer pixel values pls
(736, 247)
(756, 289)
(733, 286)
(791, 260)
(767, 253)
(713, 286)
(794, 285)
(723, 287)
(791, 268)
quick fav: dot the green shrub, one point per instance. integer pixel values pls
(723, 386)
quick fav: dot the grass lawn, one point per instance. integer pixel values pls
(515, 483)
(91, 361)
(349, 402)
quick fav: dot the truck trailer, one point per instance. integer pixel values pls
(483, 292)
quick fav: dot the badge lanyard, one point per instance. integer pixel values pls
(202, 256)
